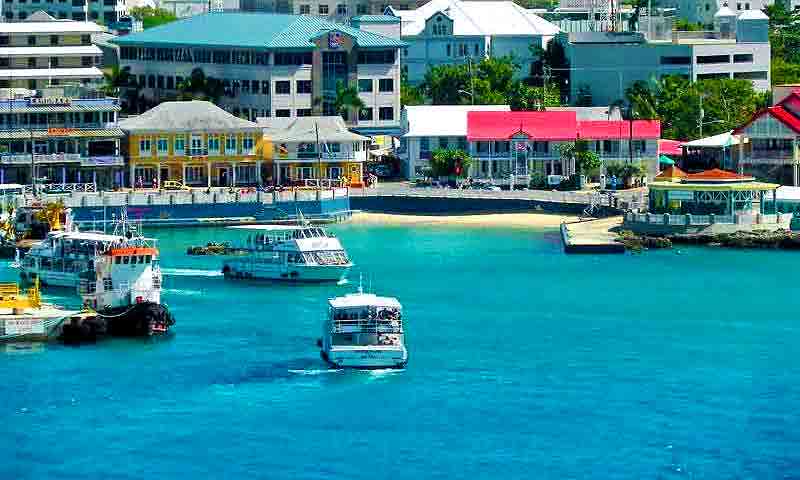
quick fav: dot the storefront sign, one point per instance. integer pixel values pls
(59, 132)
(50, 101)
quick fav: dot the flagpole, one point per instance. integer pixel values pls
(319, 158)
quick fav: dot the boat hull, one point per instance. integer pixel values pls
(282, 273)
(50, 278)
(32, 327)
(144, 319)
(366, 359)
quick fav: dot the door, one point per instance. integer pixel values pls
(164, 174)
(520, 158)
(223, 177)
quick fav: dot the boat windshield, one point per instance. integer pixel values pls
(309, 233)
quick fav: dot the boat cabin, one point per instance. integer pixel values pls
(365, 319)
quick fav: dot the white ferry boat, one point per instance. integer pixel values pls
(364, 330)
(295, 253)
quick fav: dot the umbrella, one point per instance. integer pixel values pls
(665, 160)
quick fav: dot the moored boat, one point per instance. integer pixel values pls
(24, 317)
(364, 331)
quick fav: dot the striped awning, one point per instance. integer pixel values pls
(55, 134)
(98, 107)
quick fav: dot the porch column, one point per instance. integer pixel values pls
(94, 179)
(158, 174)
(233, 173)
(2, 175)
(741, 154)
(131, 180)
(795, 161)
(258, 172)
(183, 173)
(208, 172)
(78, 174)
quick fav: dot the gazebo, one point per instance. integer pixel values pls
(710, 152)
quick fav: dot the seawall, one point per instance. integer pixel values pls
(431, 205)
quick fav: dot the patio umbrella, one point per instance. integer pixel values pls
(665, 160)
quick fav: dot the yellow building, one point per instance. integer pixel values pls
(194, 142)
(311, 148)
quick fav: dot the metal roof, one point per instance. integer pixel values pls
(376, 19)
(59, 26)
(442, 120)
(304, 129)
(69, 133)
(251, 30)
(189, 116)
(92, 72)
(51, 51)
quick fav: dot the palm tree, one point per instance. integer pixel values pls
(346, 100)
(116, 79)
(199, 87)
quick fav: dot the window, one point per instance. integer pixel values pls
(53, 62)
(743, 58)
(762, 75)
(424, 144)
(230, 144)
(738, 6)
(708, 7)
(31, 40)
(303, 112)
(439, 28)
(386, 85)
(376, 57)
(86, 61)
(108, 284)
(299, 58)
(365, 85)
(159, 81)
(444, 142)
(361, 9)
(283, 87)
(197, 145)
(31, 63)
(713, 59)
(711, 76)
(747, 6)
(213, 144)
(265, 87)
(303, 86)
(162, 146)
(386, 113)
(676, 60)
(449, 50)
(247, 145)
(4, 39)
(341, 9)
(323, 9)
(151, 81)
(144, 147)
(365, 115)
(53, 39)
(282, 112)
(195, 174)
(180, 145)
(305, 9)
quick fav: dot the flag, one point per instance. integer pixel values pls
(521, 147)
(335, 40)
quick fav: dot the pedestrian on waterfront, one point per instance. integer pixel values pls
(155, 183)
(613, 182)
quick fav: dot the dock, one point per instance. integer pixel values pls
(592, 236)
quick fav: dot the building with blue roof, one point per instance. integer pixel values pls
(272, 65)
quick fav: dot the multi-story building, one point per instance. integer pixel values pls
(272, 65)
(447, 32)
(703, 12)
(338, 10)
(512, 146)
(428, 127)
(194, 142)
(72, 134)
(36, 55)
(104, 11)
(608, 62)
(307, 148)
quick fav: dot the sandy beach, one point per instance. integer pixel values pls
(513, 220)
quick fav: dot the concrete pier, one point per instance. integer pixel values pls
(592, 236)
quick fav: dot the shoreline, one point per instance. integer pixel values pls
(508, 220)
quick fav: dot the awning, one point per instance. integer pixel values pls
(722, 140)
(665, 160)
(670, 147)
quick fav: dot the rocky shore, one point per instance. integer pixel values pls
(786, 240)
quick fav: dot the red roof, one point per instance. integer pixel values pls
(669, 147)
(717, 174)
(778, 112)
(616, 129)
(560, 125)
(554, 126)
(671, 172)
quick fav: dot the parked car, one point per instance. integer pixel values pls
(174, 185)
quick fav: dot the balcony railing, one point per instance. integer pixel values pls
(95, 160)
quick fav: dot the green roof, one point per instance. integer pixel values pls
(251, 30)
(376, 19)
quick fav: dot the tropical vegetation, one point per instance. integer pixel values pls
(784, 37)
(345, 101)
(449, 163)
(152, 17)
(197, 86)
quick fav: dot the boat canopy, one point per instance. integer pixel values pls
(269, 228)
(355, 300)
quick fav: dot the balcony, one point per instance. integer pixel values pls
(55, 158)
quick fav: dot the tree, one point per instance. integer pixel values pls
(487, 82)
(552, 66)
(450, 163)
(683, 25)
(116, 79)
(443, 83)
(526, 97)
(199, 87)
(152, 17)
(410, 95)
(784, 37)
(345, 101)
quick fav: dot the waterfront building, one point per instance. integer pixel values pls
(770, 141)
(711, 201)
(609, 62)
(105, 11)
(313, 148)
(272, 65)
(72, 134)
(428, 127)
(704, 12)
(194, 142)
(452, 32)
(512, 146)
(36, 55)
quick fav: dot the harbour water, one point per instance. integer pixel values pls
(524, 363)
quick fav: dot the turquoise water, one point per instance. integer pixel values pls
(524, 363)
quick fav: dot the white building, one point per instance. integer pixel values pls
(272, 65)
(428, 127)
(703, 11)
(446, 32)
(105, 11)
(34, 55)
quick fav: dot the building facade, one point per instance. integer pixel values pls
(35, 55)
(313, 148)
(272, 65)
(452, 32)
(607, 62)
(105, 11)
(72, 134)
(514, 146)
(194, 142)
(428, 127)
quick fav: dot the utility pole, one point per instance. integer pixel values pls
(471, 81)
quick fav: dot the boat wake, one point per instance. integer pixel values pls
(180, 291)
(315, 371)
(190, 272)
(343, 281)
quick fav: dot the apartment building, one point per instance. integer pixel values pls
(72, 133)
(608, 62)
(103, 11)
(35, 55)
(337, 10)
(272, 65)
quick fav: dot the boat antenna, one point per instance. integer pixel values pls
(360, 283)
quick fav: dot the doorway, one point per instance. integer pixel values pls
(223, 177)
